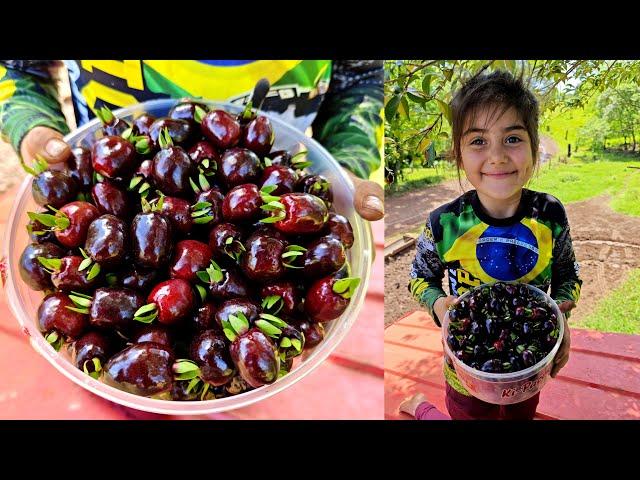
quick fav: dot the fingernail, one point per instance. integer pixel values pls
(55, 147)
(374, 203)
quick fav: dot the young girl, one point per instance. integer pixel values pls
(499, 231)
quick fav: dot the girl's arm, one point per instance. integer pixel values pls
(28, 98)
(427, 272)
(565, 282)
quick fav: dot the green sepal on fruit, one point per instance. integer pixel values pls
(81, 301)
(346, 287)
(56, 340)
(146, 314)
(39, 165)
(97, 368)
(291, 254)
(213, 274)
(272, 304)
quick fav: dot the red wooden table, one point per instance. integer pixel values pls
(348, 385)
(600, 381)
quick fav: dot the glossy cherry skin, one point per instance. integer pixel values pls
(316, 185)
(115, 127)
(186, 111)
(287, 291)
(232, 285)
(143, 123)
(174, 299)
(154, 333)
(108, 198)
(324, 256)
(250, 310)
(80, 215)
(255, 356)
(313, 332)
(178, 211)
(216, 198)
(152, 239)
(114, 157)
(80, 168)
(179, 130)
(190, 256)
(305, 214)
(321, 303)
(292, 333)
(221, 129)
(53, 314)
(137, 278)
(258, 135)
(201, 150)
(89, 346)
(242, 204)
(107, 240)
(204, 317)
(142, 369)
(32, 271)
(338, 226)
(171, 170)
(239, 166)
(114, 308)
(280, 158)
(284, 178)
(53, 187)
(69, 278)
(218, 238)
(210, 352)
(262, 260)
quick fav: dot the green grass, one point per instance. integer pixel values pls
(563, 126)
(586, 177)
(618, 312)
(415, 178)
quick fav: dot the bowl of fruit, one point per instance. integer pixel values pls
(191, 257)
(501, 339)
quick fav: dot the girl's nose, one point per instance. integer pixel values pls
(498, 154)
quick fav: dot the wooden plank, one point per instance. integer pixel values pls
(615, 344)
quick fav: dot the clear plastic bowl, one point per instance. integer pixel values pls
(24, 302)
(505, 388)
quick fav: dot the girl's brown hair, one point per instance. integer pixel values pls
(502, 90)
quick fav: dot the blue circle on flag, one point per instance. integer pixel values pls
(507, 253)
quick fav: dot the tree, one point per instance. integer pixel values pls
(620, 109)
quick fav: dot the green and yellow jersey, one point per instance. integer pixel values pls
(341, 100)
(460, 238)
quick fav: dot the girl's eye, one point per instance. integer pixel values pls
(477, 141)
(513, 139)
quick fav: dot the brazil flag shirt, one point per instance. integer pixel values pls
(460, 238)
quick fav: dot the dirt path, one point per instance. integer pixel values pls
(607, 246)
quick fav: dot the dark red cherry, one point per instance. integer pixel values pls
(324, 256)
(53, 187)
(154, 333)
(258, 135)
(107, 240)
(242, 204)
(225, 241)
(290, 298)
(239, 166)
(221, 128)
(92, 350)
(313, 332)
(210, 352)
(32, 271)
(80, 168)
(174, 300)
(190, 256)
(338, 226)
(204, 317)
(284, 178)
(250, 310)
(79, 216)
(110, 199)
(114, 308)
(179, 130)
(316, 185)
(303, 214)
(53, 315)
(255, 356)
(328, 298)
(68, 277)
(262, 259)
(171, 170)
(143, 123)
(114, 157)
(152, 239)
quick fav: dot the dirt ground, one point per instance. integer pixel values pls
(607, 246)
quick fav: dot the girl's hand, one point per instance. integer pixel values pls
(369, 198)
(562, 357)
(46, 142)
(442, 305)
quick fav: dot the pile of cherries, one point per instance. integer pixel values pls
(502, 328)
(182, 258)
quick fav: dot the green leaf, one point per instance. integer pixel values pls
(50, 263)
(203, 220)
(134, 182)
(84, 311)
(270, 301)
(267, 162)
(148, 308)
(96, 364)
(203, 276)
(204, 391)
(148, 319)
(267, 189)
(52, 337)
(79, 301)
(202, 292)
(84, 264)
(184, 366)
(391, 107)
(228, 241)
(346, 286)
(186, 376)
(200, 205)
(45, 219)
(426, 85)
(94, 272)
(192, 384)
(238, 324)
(273, 319)
(205, 162)
(83, 253)
(203, 182)
(229, 334)
(404, 107)
(285, 342)
(296, 344)
(445, 109)
(62, 223)
(199, 213)
(268, 328)
(194, 186)
(296, 248)
(82, 295)
(291, 254)
(270, 198)
(416, 98)
(199, 114)
(111, 279)
(274, 219)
